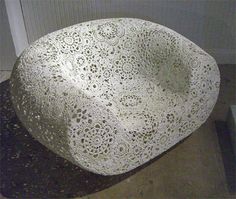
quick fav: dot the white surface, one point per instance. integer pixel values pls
(111, 94)
(17, 25)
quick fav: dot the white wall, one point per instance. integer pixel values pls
(209, 23)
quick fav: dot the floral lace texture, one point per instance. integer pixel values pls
(111, 94)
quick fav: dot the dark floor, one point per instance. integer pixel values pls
(193, 169)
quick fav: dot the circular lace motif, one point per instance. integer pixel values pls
(127, 67)
(109, 32)
(69, 42)
(97, 140)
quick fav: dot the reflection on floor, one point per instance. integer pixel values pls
(228, 156)
(192, 169)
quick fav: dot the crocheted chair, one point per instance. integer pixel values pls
(111, 94)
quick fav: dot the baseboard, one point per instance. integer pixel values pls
(223, 56)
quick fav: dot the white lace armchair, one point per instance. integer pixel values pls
(111, 94)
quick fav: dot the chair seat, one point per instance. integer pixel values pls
(111, 94)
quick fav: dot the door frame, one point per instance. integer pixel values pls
(17, 25)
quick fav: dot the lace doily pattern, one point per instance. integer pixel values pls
(111, 94)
